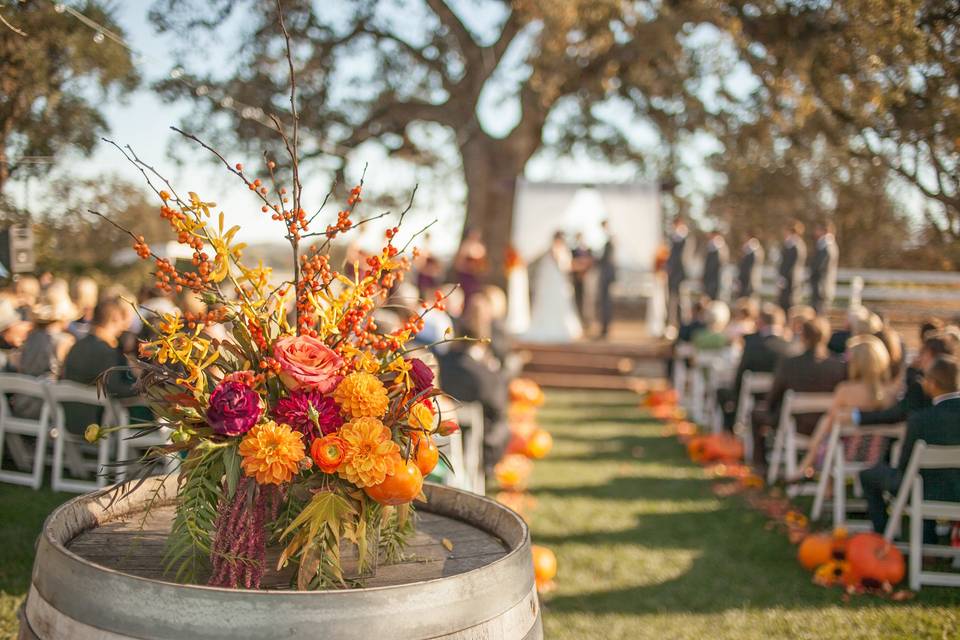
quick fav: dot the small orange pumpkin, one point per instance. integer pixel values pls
(874, 560)
(539, 444)
(544, 565)
(815, 550)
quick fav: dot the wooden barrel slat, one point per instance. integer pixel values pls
(99, 574)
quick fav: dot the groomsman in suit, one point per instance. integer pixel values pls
(938, 425)
(793, 255)
(823, 268)
(750, 268)
(713, 263)
(680, 246)
(607, 276)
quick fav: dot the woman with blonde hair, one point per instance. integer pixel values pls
(868, 387)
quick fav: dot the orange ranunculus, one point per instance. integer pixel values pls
(328, 452)
(369, 453)
(306, 362)
(362, 395)
(271, 453)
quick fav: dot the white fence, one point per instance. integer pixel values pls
(928, 291)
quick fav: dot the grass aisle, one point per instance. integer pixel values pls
(646, 550)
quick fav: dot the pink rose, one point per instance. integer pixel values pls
(307, 363)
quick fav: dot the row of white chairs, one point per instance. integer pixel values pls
(789, 445)
(464, 448)
(68, 448)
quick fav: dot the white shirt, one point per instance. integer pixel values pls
(946, 396)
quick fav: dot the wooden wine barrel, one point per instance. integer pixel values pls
(98, 575)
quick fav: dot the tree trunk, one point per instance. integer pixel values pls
(491, 171)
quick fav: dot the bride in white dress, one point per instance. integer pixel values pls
(554, 316)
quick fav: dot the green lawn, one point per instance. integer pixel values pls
(22, 512)
(645, 550)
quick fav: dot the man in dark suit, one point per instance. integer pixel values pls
(813, 371)
(608, 275)
(750, 268)
(680, 246)
(793, 255)
(761, 353)
(912, 398)
(713, 263)
(937, 425)
(823, 268)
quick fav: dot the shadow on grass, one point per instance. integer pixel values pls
(736, 564)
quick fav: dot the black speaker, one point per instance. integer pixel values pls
(16, 249)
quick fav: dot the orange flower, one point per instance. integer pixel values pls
(369, 452)
(272, 453)
(362, 396)
(328, 452)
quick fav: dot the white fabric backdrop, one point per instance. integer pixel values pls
(633, 210)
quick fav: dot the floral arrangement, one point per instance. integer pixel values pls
(307, 427)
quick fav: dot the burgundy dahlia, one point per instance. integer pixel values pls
(421, 374)
(294, 410)
(234, 408)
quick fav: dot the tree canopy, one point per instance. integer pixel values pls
(844, 109)
(55, 74)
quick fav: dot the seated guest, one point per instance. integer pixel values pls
(867, 387)
(27, 292)
(894, 345)
(911, 397)
(696, 323)
(715, 318)
(99, 354)
(85, 296)
(744, 321)
(796, 317)
(860, 321)
(469, 372)
(761, 353)
(937, 425)
(814, 371)
(13, 333)
(44, 349)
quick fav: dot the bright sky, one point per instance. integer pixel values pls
(143, 120)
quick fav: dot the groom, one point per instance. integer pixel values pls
(607, 276)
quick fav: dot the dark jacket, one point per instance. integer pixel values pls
(823, 272)
(676, 269)
(938, 425)
(761, 354)
(607, 266)
(713, 263)
(87, 360)
(913, 400)
(790, 271)
(806, 373)
(469, 380)
(749, 271)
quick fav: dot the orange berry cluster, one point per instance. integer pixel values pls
(205, 318)
(256, 332)
(315, 275)
(343, 217)
(141, 247)
(169, 279)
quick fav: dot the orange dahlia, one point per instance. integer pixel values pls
(362, 396)
(272, 453)
(369, 453)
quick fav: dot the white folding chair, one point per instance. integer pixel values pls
(128, 446)
(836, 466)
(12, 428)
(707, 365)
(681, 377)
(787, 443)
(59, 393)
(470, 419)
(911, 488)
(752, 384)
